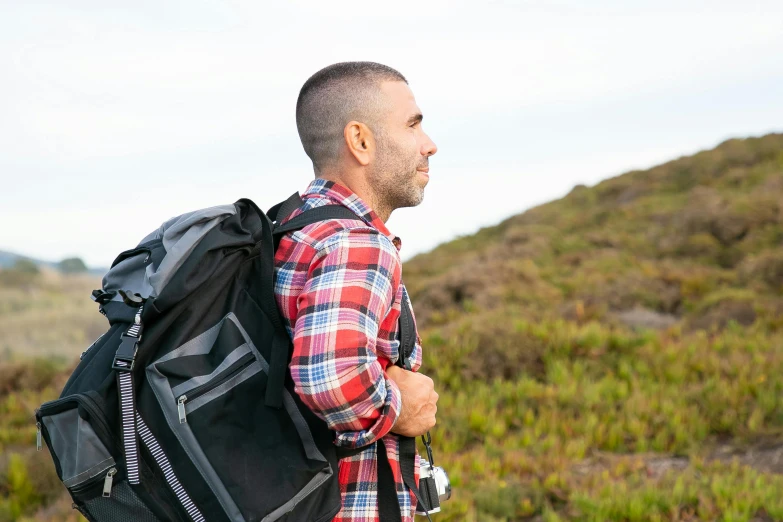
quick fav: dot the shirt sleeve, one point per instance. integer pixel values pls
(350, 289)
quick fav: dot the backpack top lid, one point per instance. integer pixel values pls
(185, 251)
(154, 267)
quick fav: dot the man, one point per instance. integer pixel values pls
(339, 283)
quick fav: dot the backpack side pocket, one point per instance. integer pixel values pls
(82, 448)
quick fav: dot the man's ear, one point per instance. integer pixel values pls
(360, 142)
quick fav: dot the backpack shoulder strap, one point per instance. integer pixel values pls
(315, 215)
(283, 209)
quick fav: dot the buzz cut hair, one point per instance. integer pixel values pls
(335, 95)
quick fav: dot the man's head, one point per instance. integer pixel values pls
(360, 125)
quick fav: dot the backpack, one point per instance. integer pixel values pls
(184, 410)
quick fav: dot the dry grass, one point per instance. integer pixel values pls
(49, 314)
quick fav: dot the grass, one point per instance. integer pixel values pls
(635, 396)
(553, 407)
(47, 314)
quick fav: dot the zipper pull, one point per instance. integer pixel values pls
(38, 443)
(181, 409)
(108, 482)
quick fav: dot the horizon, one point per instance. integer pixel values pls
(93, 268)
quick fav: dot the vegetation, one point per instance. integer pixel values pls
(614, 355)
(47, 314)
(72, 265)
(46, 320)
(25, 266)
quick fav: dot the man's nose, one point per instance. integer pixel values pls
(429, 148)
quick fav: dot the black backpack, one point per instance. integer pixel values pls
(184, 410)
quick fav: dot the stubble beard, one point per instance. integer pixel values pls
(394, 177)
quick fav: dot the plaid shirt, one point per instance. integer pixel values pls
(338, 286)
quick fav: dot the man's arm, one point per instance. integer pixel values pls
(349, 292)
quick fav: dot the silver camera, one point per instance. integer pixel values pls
(434, 487)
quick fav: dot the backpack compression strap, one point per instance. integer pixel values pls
(123, 364)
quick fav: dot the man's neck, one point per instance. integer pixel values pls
(359, 186)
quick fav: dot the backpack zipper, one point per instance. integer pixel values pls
(106, 477)
(107, 483)
(242, 363)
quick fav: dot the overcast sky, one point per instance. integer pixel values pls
(115, 116)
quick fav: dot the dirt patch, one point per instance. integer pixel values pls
(657, 467)
(643, 318)
(766, 457)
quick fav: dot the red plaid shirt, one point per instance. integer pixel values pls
(338, 286)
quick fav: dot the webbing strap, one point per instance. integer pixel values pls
(283, 209)
(123, 364)
(408, 468)
(128, 410)
(278, 363)
(407, 332)
(407, 345)
(314, 215)
(388, 505)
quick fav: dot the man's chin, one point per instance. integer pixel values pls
(420, 197)
(414, 199)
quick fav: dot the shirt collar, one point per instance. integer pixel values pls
(324, 189)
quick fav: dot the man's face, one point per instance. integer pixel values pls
(400, 169)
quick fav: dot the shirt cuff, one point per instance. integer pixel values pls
(389, 414)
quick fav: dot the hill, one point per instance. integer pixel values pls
(695, 243)
(613, 355)
(9, 259)
(616, 354)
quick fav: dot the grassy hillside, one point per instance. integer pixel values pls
(614, 355)
(697, 242)
(617, 354)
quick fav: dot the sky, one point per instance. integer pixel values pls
(115, 115)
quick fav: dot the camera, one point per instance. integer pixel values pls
(434, 487)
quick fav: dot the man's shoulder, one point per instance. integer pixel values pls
(329, 235)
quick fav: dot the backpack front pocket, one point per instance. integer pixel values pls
(195, 395)
(258, 461)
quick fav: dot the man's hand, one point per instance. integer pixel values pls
(419, 402)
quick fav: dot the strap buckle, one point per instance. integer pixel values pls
(126, 354)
